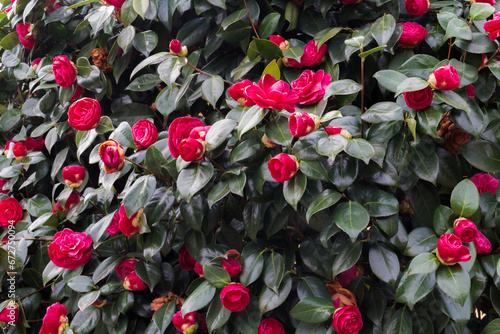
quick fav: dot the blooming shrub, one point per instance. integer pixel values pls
(269, 167)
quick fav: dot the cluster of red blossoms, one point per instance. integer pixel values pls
(20, 149)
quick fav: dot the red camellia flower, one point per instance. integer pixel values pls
(234, 297)
(114, 226)
(129, 226)
(73, 198)
(419, 99)
(10, 314)
(186, 261)
(27, 39)
(175, 46)
(20, 151)
(125, 271)
(198, 268)
(180, 129)
(145, 134)
(450, 250)
(191, 149)
(84, 114)
(199, 133)
(417, 7)
(485, 183)
(186, 324)
(492, 27)
(33, 144)
(337, 130)
(2, 183)
(312, 56)
(279, 41)
(347, 320)
(115, 3)
(112, 155)
(483, 245)
(237, 92)
(283, 166)
(11, 212)
(270, 326)
(465, 229)
(302, 123)
(469, 89)
(70, 249)
(232, 266)
(35, 62)
(413, 33)
(64, 71)
(73, 176)
(444, 78)
(310, 86)
(272, 93)
(55, 320)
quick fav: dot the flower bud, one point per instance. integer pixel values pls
(267, 142)
(283, 167)
(186, 261)
(10, 314)
(465, 229)
(199, 133)
(232, 266)
(188, 324)
(198, 268)
(20, 151)
(134, 283)
(450, 250)
(191, 149)
(302, 123)
(112, 155)
(279, 41)
(129, 226)
(337, 130)
(347, 320)
(444, 78)
(73, 176)
(233, 254)
(175, 46)
(292, 63)
(483, 245)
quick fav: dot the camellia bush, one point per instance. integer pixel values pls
(249, 166)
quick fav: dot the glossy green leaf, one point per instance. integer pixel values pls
(312, 310)
(465, 199)
(199, 298)
(352, 218)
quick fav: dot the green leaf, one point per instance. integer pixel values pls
(294, 52)
(145, 42)
(291, 15)
(421, 239)
(479, 44)
(252, 264)
(411, 289)
(346, 258)
(81, 284)
(141, 7)
(216, 275)
(144, 82)
(274, 269)
(400, 322)
(482, 154)
(294, 189)
(352, 218)
(424, 161)
(194, 178)
(123, 135)
(420, 65)
(423, 263)
(269, 25)
(458, 28)
(139, 194)
(85, 321)
(331, 146)
(267, 49)
(342, 87)
(492, 328)
(87, 299)
(360, 149)
(170, 70)
(212, 89)
(269, 300)
(125, 40)
(455, 282)
(322, 201)
(411, 84)
(312, 310)
(199, 298)
(218, 192)
(51, 271)
(384, 262)
(325, 35)
(163, 316)
(390, 79)
(10, 41)
(149, 273)
(38, 205)
(273, 69)
(383, 112)
(217, 315)
(218, 133)
(234, 17)
(383, 28)
(453, 99)
(250, 118)
(106, 267)
(278, 131)
(465, 199)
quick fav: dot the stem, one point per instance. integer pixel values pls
(216, 164)
(489, 59)
(20, 94)
(29, 294)
(449, 50)
(205, 73)
(299, 232)
(362, 91)
(251, 21)
(147, 170)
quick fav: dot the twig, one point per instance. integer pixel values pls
(20, 94)
(251, 21)
(489, 59)
(205, 73)
(216, 164)
(449, 49)
(147, 170)
(35, 291)
(299, 232)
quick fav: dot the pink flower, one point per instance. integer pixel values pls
(485, 183)
(237, 92)
(283, 167)
(144, 133)
(470, 91)
(270, 326)
(302, 123)
(492, 27)
(180, 129)
(347, 320)
(114, 226)
(483, 245)
(419, 99)
(234, 297)
(55, 320)
(232, 266)
(64, 71)
(312, 56)
(310, 86)
(413, 33)
(444, 78)
(450, 250)
(23, 30)
(417, 7)
(279, 41)
(186, 324)
(272, 93)
(70, 249)
(465, 229)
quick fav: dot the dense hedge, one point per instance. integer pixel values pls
(254, 166)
